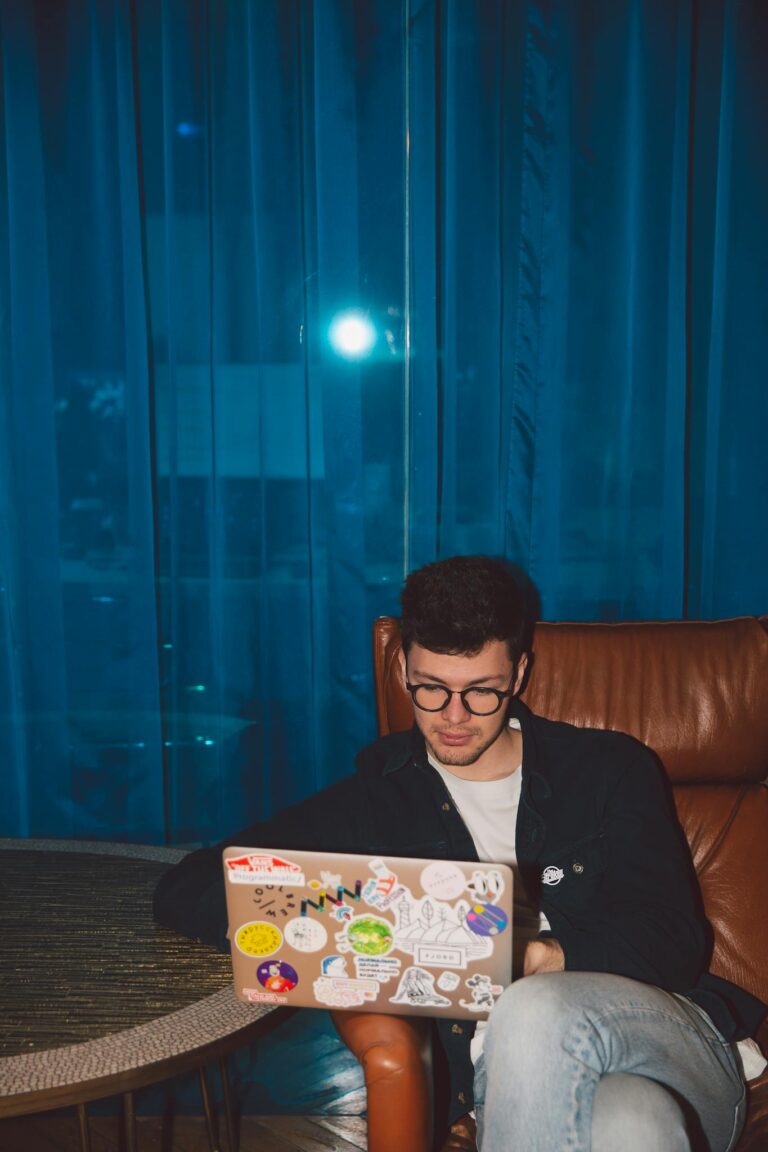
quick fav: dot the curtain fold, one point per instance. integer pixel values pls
(295, 297)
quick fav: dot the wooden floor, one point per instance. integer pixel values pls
(58, 1132)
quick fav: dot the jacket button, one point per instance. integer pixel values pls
(446, 807)
(578, 868)
(457, 1029)
(462, 1097)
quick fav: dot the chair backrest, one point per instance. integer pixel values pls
(696, 692)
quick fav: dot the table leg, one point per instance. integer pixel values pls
(85, 1132)
(207, 1109)
(228, 1118)
(129, 1122)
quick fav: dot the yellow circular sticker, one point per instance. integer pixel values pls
(258, 938)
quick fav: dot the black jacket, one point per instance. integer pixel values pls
(594, 805)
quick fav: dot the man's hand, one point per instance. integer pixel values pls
(543, 956)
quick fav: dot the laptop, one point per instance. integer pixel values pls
(370, 933)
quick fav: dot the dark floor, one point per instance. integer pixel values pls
(58, 1132)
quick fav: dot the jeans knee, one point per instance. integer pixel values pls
(534, 1001)
(631, 1113)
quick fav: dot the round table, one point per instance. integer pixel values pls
(97, 999)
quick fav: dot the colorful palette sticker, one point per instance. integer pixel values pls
(258, 939)
(305, 934)
(486, 920)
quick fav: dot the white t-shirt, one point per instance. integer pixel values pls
(489, 810)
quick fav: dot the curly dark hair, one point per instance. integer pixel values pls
(456, 606)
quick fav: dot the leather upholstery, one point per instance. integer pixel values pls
(697, 694)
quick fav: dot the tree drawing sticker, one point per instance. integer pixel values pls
(258, 938)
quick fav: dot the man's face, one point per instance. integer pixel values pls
(455, 736)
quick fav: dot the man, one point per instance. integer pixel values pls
(604, 1042)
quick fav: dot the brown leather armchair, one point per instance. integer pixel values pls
(697, 694)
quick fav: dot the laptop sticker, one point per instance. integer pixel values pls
(274, 901)
(306, 935)
(443, 879)
(381, 968)
(487, 886)
(338, 992)
(277, 976)
(258, 939)
(256, 996)
(483, 993)
(366, 935)
(486, 920)
(417, 987)
(448, 981)
(263, 868)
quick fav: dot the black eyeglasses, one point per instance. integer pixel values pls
(479, 701)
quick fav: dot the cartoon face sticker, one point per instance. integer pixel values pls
(277, 976)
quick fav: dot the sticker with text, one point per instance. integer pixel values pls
(381, 968)
(256, 996)
(338, 992)
(258, 938)
(263, 868)
(443, 880)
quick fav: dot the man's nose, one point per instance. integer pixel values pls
(454, 711)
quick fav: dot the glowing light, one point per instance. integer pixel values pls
(351, 334)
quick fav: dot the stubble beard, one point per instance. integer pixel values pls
(462, 757)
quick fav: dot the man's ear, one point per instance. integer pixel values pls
(522, 664)
(401, 658)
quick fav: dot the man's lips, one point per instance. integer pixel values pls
(454, 739)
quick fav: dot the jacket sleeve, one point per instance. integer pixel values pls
(646, 920)
(190, 898)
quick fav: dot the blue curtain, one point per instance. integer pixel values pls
(546, 227)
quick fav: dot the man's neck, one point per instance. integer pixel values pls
(502, 759)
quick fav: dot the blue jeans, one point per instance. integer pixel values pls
(580, 1061)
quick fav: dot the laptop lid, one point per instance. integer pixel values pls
(370, 933)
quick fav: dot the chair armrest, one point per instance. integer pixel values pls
(396, 1055)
